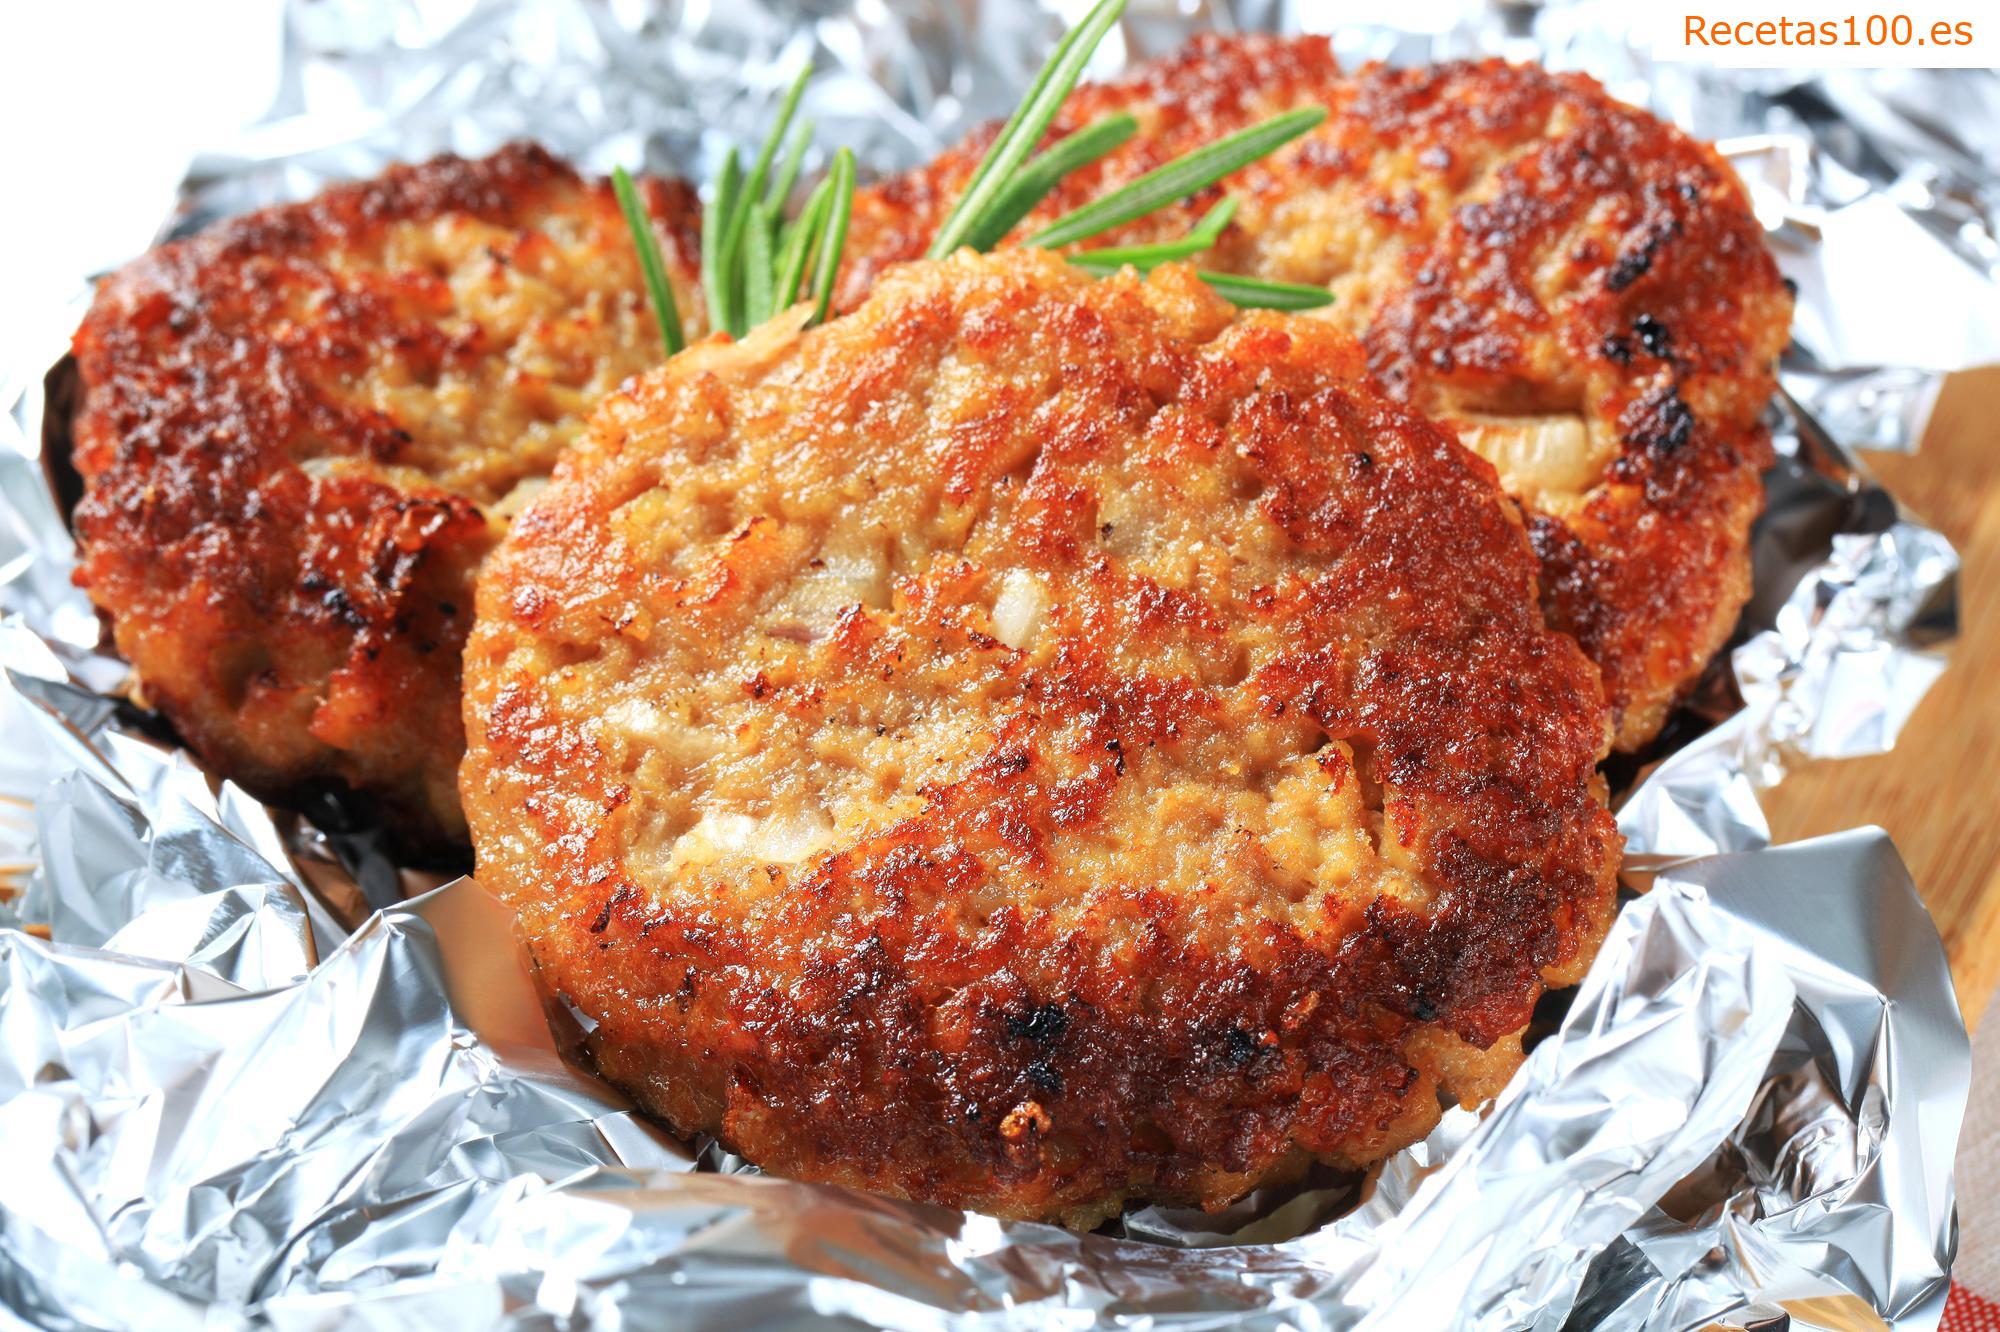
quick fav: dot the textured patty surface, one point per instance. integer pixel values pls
(1581, 290)
(1032, 743)
(304, 428)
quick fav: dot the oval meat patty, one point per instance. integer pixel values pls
(303, 429)
(1581, 290)
(1034, 743)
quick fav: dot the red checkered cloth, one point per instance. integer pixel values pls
(1966, 1312)
(1975, 1294)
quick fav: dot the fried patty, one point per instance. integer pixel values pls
(1034, 743)
(1579, 289)
(302, 431)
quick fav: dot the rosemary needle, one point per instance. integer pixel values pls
(800, 240)
(1146, 257)
(1179, 178)
(1239, 291)
(827, 264)
(665, 312)
(759, 281)
(788, 175)
(1256, 293)
(714, 234)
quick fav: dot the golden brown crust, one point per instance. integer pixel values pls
(1033, 743)
(300, 433)
(1509, 243)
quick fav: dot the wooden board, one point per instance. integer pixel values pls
(1938, 792)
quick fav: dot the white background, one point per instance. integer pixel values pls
(101, 103)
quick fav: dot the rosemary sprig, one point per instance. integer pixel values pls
(1179, 178)
(753, 263)
(1004, 189)
(733, 273)
(1024, 128)
(665, 312)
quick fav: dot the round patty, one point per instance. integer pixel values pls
(1581, 290)
(1034, 743)
(304, 428)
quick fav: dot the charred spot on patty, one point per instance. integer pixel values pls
(1042, 1024)
(1653, 336)
(1660, 422)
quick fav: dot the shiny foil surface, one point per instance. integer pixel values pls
(233, 1095)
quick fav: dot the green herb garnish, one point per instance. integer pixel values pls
(1256, 293)
(799, 240)
(748, 209)
(760, 280)
(1179, 178)
(788, 175)
(1007, 184)
(665, 312)
(754, 264)
(834, 239)
(714, 235)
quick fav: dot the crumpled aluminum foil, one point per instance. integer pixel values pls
(232, 1096)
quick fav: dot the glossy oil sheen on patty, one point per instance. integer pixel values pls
(303, 429)
(1579, 289)
(1034, 743)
